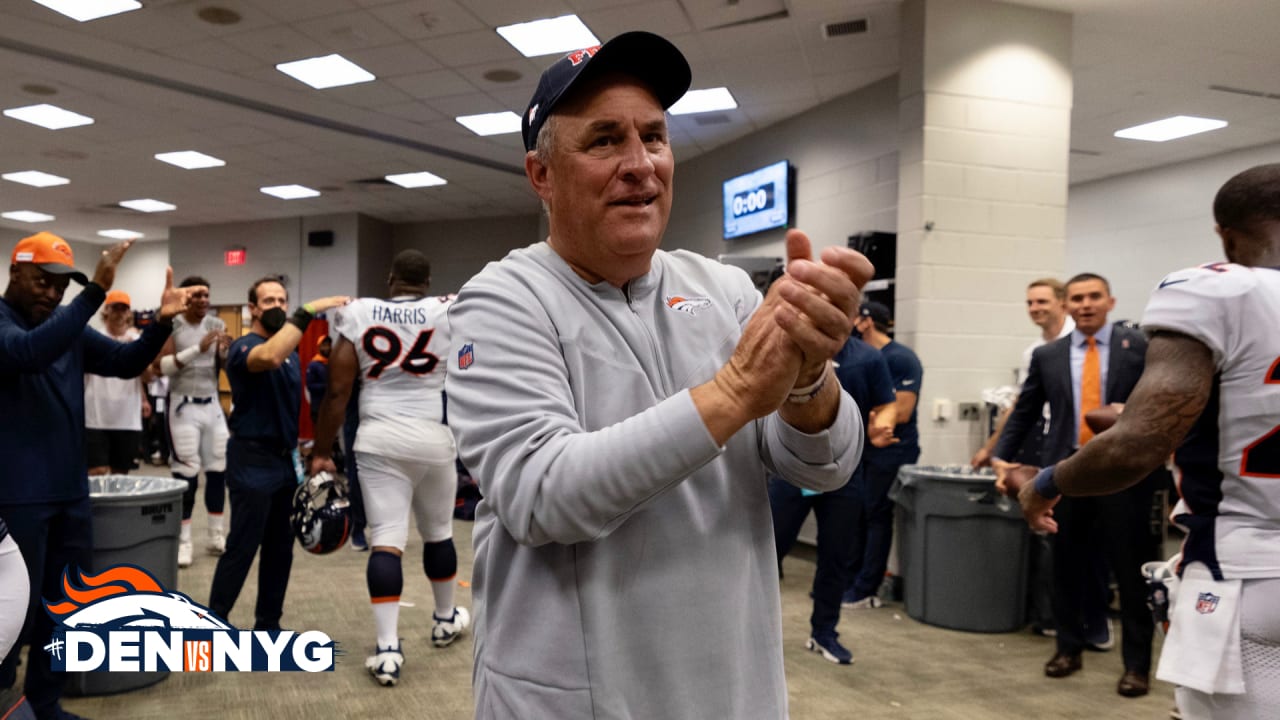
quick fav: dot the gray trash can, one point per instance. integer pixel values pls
(963, 548)
(136, 521)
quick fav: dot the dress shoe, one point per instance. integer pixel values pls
(1133, 684)
(1062, 665)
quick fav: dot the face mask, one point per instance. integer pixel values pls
(273, 320)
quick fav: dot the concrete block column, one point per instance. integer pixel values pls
(984, 130)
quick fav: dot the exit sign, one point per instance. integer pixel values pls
(234, 257)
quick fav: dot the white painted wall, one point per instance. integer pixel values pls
(459, 249)
(272, 247)
(846, 160)
(1134, 229)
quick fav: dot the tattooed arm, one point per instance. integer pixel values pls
(1171, 394)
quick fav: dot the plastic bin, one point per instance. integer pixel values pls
(136, 521)
(963, 549)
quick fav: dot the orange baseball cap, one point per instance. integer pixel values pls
(49, 253)
(117, 297)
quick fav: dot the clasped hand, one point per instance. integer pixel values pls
(804, 320)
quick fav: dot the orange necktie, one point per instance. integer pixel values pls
(1090, 388)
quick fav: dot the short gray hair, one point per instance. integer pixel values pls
(545, 144)
(543, 148)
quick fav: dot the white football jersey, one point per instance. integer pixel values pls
(198, 378)
(403, 347)
(1229, 465)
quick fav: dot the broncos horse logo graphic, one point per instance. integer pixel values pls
(126, 596)
(690, 305)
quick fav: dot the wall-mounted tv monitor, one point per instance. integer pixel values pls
(759, 200)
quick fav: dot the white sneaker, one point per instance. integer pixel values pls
(384, 665)
(444, 632)
(184, 554)
(217, 542)
(869, 602)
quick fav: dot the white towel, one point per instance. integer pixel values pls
(1202, 650)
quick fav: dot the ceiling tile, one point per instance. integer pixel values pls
(416, 111)
(473, 48)
(663, 17)
(349, 31)
(495, 13)
(292, 11)
(393, 60)
(434, 84)
(214, 54)
(277, 44)
(419, 19)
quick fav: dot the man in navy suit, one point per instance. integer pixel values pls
(1115, 526)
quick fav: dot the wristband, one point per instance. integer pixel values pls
(187, 356)
(802, 395)
(301, 318)
(1044, 484)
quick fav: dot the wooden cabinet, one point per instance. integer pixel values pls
(229, 314)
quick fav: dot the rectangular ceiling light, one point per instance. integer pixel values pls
(1170, 128)
(86, 10)
(416, 180)
(698, 101)
(290, 192)
(545, 37)
(499, 123)
(27, 216)
(326, 71)
(190, 159)
(35, 178)
(121, 234)
(147, 205)
(48, 116)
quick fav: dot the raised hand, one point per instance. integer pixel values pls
(819, 300)
(174, 301)
(105, 274)
(764, 365)
(209, 339)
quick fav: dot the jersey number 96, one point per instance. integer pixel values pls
(384, 347)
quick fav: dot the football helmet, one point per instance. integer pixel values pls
(321, 513)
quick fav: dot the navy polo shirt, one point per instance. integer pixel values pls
(864, 374)
(907, 374)
(264, 405)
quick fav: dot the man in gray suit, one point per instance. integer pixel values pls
(1097, 364)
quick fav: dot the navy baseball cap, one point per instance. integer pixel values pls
(647, 57)
(878, 312)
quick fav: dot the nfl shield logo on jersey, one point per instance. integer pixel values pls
(1206, 603)
(466, 356)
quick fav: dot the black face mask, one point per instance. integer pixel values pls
(273, 319)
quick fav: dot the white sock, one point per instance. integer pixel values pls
(184, 536)
(443, 592)
(386, 618)
(215, 524)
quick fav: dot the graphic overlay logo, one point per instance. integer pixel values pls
(1206, 603)
(466, 356)
(690, 305)
(123, 620)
